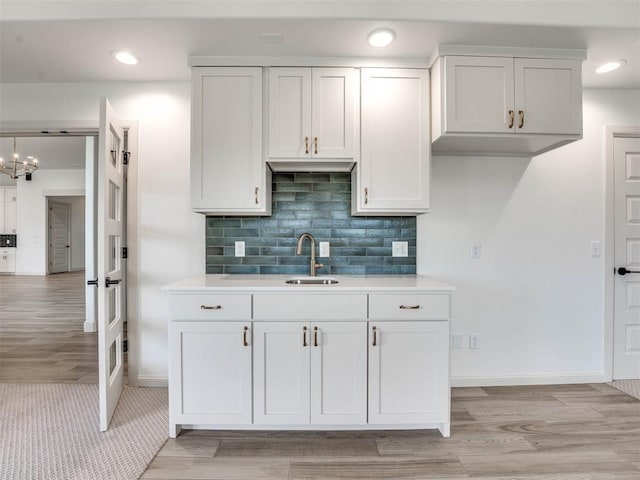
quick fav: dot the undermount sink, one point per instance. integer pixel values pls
(312, 281)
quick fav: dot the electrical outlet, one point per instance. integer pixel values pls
(595, 248)
(400, 249)
(324, 249)
(240, 249)
(458, 342)
(476, 250)
(474, 341)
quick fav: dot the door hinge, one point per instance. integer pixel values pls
(125, 157)
(125, 346)
(125, 252)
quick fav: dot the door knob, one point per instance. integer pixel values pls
(624, 271)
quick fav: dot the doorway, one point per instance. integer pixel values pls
(623, 258)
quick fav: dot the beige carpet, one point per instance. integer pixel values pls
(50, 431)
(630, 387)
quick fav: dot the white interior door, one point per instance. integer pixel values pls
(110, 221)
(59, 237)
(626, 328)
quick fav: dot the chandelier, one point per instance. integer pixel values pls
(16, 168)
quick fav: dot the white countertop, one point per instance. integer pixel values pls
(346, 283)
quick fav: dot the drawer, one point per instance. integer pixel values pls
(409, 307)
(209, 306)
(309, 307)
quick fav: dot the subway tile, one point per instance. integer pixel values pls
(214, 269)
(297, 260)
(320, 234)
(283, 196)
(223, 222)
(331, 187)
(259, 222)
(283, 178)
(292, 187)
(310, 197)
(368, 222)
(295, 206)
(378, 251)
(348, 232)
(340, 214)
(349, 270)
(259, 260)
(399, 260)
(340, 178)
(214, 250)
(312, 214)
(241, 232)
(242, 269)
(278, 251)
(214, 231)
(340, 197)
(368, 260)
(278, 232)
(323, 223)
(283, 270)
(349, 251)
(222, 260)
(304, 177)
(384, 233)
(293, 224)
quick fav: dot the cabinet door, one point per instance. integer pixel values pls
(281, 373)
(408, 372)
(227, 171)
(10, 194)
(548, 96)
(289, 112)
(210, 372)
(393, 174)
(478, 94)
(10, 217)
(338, 373)
(3, 230)
(333, 112)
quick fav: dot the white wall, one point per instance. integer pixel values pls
(535, 296)
(31, 204)
(171, 237)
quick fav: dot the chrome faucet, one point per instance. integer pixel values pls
(314, 266)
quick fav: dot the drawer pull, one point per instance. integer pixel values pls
(510, 119)
(409, 307)
(375, 336)
(245, 342)
(304, 336)
(306, 145)
(315, 336)
(210, 307)
(315, 145)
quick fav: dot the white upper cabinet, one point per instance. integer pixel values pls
(486, 105)
(8, 210)
(228, 174)
(392, 177)
(312, 114)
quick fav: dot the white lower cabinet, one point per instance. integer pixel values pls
(310, 373)
(358, 361)
(409, 373)
(210, 373)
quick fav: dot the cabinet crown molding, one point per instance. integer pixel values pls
(499, 51)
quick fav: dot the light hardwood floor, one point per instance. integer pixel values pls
(41, 330)
(559, 432)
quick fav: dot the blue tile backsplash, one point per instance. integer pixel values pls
(318, 203)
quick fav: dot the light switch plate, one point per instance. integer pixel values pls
(400, 249)
(476, 250)
(595, 248)
(474, 341)
(239, 249)
(324, 249)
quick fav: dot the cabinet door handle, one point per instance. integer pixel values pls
(409, 307)
(245, 342)
(256, 195)
(366, 195)
(315, 145)
(304, 336)
(210, 307)
(510, 119)
(306, 145)
(315, 336)
(521, 113)
(375, 336)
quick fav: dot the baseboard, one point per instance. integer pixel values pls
(39, 274)
(150, 381)
(503, 380)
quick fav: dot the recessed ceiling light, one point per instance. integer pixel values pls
(126, 58)
(610, 66)
(381, 37)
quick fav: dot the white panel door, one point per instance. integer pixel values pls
(210, 372)
(478, 94)
(626, 330)
(548, 96)
(110, 222)
(11, 217)
(227, 170)
(281, 373)
(333, 112)
(408, 372)
(395, 161)
(289, 112)
(59, 237)
(338, 373)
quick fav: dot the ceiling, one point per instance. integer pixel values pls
(71, 41)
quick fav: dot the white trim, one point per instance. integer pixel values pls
(542, 379)
(47, 128)
(355, 62)
(609, 240)
(151, 381)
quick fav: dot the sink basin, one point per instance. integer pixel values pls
(312, 281)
